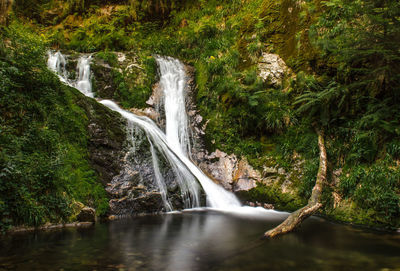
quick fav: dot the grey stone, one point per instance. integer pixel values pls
(272, 69)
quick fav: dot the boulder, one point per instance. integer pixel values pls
(87, 214)
(144, 202)
(272, 69)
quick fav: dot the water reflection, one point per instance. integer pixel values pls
(201, 241)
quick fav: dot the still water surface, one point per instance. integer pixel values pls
(201, 241)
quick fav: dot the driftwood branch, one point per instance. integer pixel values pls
(314, 204)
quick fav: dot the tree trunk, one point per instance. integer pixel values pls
(314, 204)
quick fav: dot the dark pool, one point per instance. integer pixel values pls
(201, 241)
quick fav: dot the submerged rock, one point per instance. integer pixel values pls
(146, 202)
(87, 214)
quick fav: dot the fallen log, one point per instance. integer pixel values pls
(295, 218)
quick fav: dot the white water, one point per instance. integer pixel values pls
(160, 179)
(173, 83)
(83, 83)
(217, 197)
(173, 145)
(57, 62)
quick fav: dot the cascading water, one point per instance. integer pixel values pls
(57, 62)
(83, 83)
(173, 83)
(217, 197)
(174, 144)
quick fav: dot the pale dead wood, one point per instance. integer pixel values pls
(314, 203)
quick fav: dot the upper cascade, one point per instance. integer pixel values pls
(173, 83)
(83, 83)
(57, 62)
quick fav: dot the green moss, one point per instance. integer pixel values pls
(272, 195)
(349, 212)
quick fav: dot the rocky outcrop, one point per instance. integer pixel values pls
(104, 81)
(124, 165)
(131, 195)
(273, 70)
(232, 173)
(107, 138)
(134, 189)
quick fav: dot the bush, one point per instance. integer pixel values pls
(376, 188)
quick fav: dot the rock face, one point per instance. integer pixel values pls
(273, 69)
(107, 139)
(104, 81)
(134, 189)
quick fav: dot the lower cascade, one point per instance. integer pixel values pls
(173, 145)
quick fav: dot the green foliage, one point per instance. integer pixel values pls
(43, 159)
(136, 94)
(272, 195)
(347, 81)
(108, 57)
(309, 176)
(376, 188)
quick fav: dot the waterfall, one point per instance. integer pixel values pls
(173, 83)
(173, 145)
(217, 197)
(83, 83)
(57, 62)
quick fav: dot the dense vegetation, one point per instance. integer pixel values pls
(44, 169)
(345, 55)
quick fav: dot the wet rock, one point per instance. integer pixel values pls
(147, 112)
(144, 202)
(272, 69)
(268, 206)
(244, 185)
(221, 167)
(87, 214)
(245, 176)
(107, 139)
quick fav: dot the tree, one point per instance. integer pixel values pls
(362, 39)
(360, 42)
